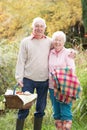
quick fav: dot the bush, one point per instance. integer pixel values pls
(8, 57)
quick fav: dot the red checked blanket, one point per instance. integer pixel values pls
(66, 85)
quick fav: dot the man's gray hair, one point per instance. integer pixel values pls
(59, 33)
(38, 20)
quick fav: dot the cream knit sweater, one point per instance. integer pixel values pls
(32, 60)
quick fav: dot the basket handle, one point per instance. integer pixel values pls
(15, 88)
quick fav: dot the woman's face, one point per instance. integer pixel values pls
(58, 43)
(39, 29)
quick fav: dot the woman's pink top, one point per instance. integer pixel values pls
(59, 59)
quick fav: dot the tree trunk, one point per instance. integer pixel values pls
(84, 14)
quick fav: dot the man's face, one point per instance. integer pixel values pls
(39, 29)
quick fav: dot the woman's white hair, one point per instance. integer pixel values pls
(59, 33)
(38, 20)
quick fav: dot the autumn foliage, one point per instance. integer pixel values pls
(16, 16)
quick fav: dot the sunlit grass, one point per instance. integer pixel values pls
(8, 120)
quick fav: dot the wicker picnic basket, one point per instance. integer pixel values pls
(14, 102)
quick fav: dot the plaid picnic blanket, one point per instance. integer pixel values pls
(66, 85)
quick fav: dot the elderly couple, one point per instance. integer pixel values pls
(32, 72)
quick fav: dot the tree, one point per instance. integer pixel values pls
(84, 13)
(59, 15)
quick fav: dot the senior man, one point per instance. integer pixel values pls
(32, 71)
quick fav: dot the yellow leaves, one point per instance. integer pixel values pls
(2, 17)
(58, 15)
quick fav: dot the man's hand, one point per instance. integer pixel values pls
(20, 83)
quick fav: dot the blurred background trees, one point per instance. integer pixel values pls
(16, 16)
(15, 23)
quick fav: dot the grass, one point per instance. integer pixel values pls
(8, 121)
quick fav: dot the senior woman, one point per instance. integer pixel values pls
(59, 58)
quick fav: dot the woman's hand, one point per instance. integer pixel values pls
(72, 53)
